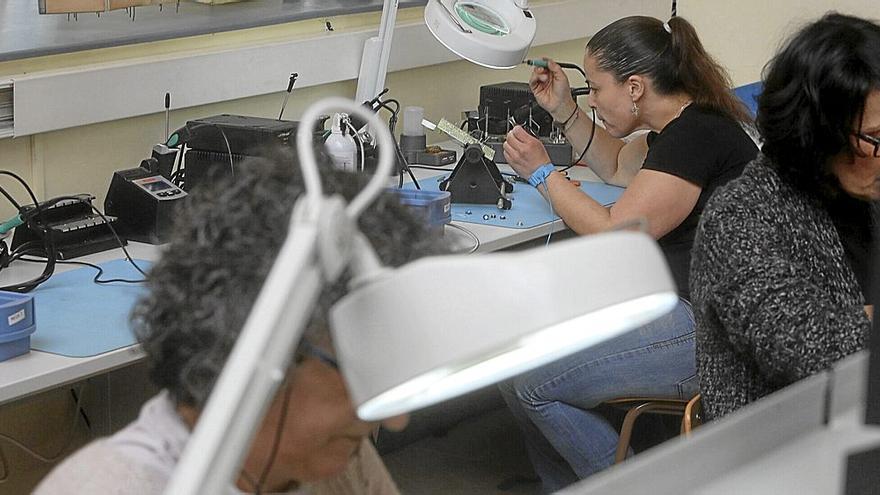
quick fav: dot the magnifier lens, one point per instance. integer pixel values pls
(482, 18)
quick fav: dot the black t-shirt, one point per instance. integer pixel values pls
(705, 148)
(853, 220)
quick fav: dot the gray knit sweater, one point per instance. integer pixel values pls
(774, 297)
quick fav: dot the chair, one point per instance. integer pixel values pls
(690, 411)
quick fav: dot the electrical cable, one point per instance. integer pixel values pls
(408, 168)
(469, 234)
(82, 411)
(181, 170)
(552, 212)
(282, 419)
(175, 166)
(566, 65)
(23, 183)
(49, 459)
(48, 270)
(178, 177)
(589, 142)
(576, 93)
(49, 252)
(10, 198)
(432, 167)
(228, 149)
(84, 263)
(4, 463)
(579, 92)
(392, 124)
(118, 240)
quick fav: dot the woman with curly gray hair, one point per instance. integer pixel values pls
(201, 291)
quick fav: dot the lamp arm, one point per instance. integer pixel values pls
(254, 370)
(377, 52)
(309, 164)
(386, 34)
(365, 264)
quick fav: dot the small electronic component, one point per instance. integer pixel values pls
(462, 137)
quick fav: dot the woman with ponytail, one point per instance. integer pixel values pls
(644, 74)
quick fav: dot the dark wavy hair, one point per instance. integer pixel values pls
(675, 61)
(814, 97)
(222, 247)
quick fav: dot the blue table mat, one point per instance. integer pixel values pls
(78, 318)
(528, 207)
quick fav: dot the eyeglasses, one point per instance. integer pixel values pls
(870, 140)
(307, 349)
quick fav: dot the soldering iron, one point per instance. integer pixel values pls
(543, 63)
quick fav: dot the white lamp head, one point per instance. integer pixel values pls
(444, 326)
(492, 33)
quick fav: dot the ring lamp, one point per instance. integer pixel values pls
(492, 33)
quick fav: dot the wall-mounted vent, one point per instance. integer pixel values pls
(7, 120)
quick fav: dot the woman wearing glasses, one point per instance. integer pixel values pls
(782, 266)
(644, 74)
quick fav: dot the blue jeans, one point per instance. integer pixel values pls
(566, 440)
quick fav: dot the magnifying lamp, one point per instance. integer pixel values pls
(410, 337)
(492, 33)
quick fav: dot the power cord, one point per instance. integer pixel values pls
(97, 277)
(469, 234)
(48, 459)
(576, 93)
(279, 431)
(439, 168)
(552, 212)
(34, 219)
(378, 103)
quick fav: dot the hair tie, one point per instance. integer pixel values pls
(667, 28)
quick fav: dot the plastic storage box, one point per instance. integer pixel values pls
(17, 323)
(434, 207)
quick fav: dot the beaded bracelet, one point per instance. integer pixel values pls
(564, 124)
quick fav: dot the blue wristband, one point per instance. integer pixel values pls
(539, 176)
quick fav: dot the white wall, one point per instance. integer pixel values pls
(741, 34)
(744, 34)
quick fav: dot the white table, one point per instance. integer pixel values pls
(38, 371)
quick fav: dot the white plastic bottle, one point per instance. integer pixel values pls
(341, 147)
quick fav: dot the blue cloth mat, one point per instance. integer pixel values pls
(76, 317)
(528, 208)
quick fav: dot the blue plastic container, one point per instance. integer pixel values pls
(17, 323)
(434, 207)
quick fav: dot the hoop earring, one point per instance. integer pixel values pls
(635, 109)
